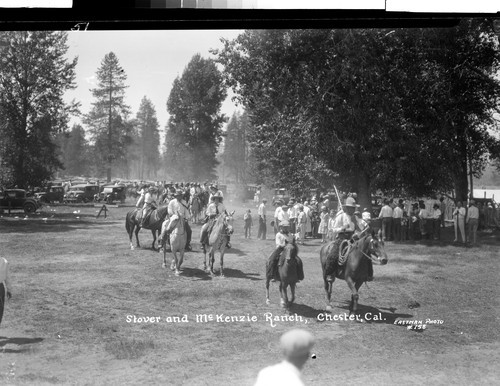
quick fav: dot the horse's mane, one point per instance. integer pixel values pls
(293, 248)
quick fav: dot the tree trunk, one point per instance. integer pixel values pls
(363, 191)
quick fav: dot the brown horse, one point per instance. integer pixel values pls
(133, 222)
(290, 272)
(356, 270)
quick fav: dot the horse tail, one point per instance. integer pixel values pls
(129, 220)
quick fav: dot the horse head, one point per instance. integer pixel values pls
(228, 223)
(374, 249)
(290, 251)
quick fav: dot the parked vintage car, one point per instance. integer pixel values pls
(81, 193)
(17, 199)
(281, 195)
(111, 194)
(52, 194)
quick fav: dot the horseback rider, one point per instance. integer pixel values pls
(177, 206)
(215, 209)
(282, 238)
(149, 204)
(347, 226)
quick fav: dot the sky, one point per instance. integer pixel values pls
(150, 59)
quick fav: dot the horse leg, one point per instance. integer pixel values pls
(130, 234)
(137, 229)
(284, 296)
(222, 263)
(153, 232)
(205, 266)
(176, 264)
(353, 306)
(268, 279)
(212, 260)
(181, 257)
(164, 256)
(292, 290)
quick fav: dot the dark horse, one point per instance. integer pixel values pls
(356, 269)
(133, 221)
(290, 272)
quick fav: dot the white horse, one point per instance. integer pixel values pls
(218, 239)
(178, 237)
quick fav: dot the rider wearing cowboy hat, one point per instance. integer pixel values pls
(215, 208)
(346, 226)
(282, 238)
(177, 206)
(149, 204)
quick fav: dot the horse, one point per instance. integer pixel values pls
(218, 239)
(178, 237)
(365, 251)
(290, 272)
(195, 208)
(133, 222)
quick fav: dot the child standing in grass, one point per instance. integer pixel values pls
(323, 225)
(248, 223)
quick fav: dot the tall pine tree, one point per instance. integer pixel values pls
(149, 139)
(107, 117)
(34, 75)
(194, 129)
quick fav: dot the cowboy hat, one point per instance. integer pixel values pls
(350, 202)
(284, 223)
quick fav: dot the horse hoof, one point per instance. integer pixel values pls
(163, 265)
(329, 308)
(177, 273)
(268, 301)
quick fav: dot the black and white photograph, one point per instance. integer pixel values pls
(273, 205)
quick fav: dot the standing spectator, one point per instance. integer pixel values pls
(459, 221)
(256, 197)
(414, 225)
(248, 223)
(424, 217)
(386, 214)
(4, 285)
(277, 212)
(326, 201)
(442, 208)
(472, 222)
(331, 222)
(307, 211)
(436, 221)
(296, 348)
(261, 233)
(292, 215)
(301, 224)
(397, 218)
(323, 225)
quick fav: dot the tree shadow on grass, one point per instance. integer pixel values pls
(236, 273)
(195, 273)
(304, 310)
(19, 341)
(38, 225)
(380, 315)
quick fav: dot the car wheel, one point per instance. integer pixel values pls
(29, 207)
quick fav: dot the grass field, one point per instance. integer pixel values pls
(77, 287)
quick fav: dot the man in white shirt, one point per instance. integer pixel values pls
(472, 221)
(397, 217)
(346, 226)
(149, 205)
(177, 206)
(215, 209)
(296, 347)
(292, 215)
(4, 284)
(262, 212)
(386, 214)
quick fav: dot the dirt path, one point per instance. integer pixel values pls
(77, 286)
